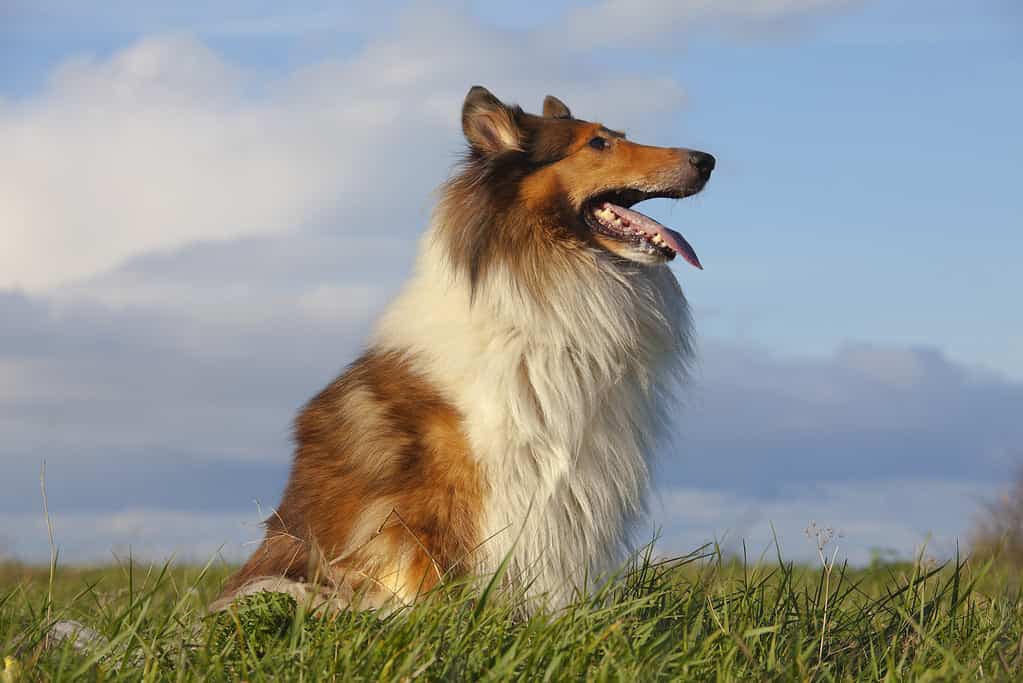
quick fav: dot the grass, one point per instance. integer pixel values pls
(998, 530)
(697, 618)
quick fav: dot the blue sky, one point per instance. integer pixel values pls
(201, 224)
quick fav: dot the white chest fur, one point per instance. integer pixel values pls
(563, 401)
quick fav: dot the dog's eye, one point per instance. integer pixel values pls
(598, 143)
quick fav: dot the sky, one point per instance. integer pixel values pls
(203, 208)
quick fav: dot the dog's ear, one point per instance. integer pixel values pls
(553, 108)
(488, 124)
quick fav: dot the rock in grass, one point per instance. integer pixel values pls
(83, 639)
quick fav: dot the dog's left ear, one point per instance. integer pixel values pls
(553, 108)
(488, 124)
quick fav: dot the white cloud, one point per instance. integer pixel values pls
(165, 143)
(153, 148)
(864, 408)
(246, 18)
(620, 22)
(330, 302)
(867, 516)
(150, 535)
(900, 517)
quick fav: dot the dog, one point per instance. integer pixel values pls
(509, 402)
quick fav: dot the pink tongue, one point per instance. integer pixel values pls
(672, 239)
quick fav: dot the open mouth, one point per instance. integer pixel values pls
(610, 215)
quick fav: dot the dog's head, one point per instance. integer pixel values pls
(531, 180)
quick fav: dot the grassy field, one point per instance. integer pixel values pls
(698, 618)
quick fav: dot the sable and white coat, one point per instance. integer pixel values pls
(513, 394)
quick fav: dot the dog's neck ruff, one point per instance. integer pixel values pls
(564, 398)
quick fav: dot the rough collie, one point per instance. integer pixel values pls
(510, 399)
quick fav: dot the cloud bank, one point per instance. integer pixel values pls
(164, 143)
(155, 412)
(661, 21)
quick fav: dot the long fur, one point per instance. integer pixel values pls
(564, 399)
(511, 397)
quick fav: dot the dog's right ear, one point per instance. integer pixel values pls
(553, 108)
(488, 124)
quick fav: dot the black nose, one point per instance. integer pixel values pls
(703, 162)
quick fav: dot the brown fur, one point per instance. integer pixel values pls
(382, 471)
